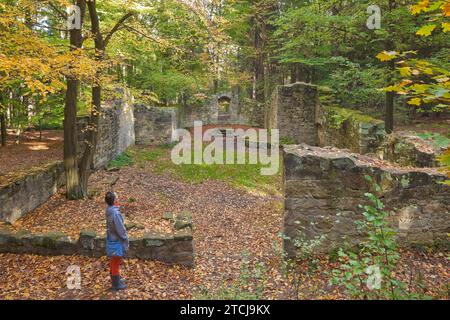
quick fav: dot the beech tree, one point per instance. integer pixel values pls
(78, 171)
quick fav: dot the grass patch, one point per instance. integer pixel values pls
(438, 140)
(247, 176)
(147, 155)
(286, 140)
(124, 160)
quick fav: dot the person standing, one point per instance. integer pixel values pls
(117, 242)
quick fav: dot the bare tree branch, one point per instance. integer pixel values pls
(117, 26)
(62, 13)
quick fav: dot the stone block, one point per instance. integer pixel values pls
(184, 234)
(87, 239)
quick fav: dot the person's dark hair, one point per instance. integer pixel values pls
(110, 198)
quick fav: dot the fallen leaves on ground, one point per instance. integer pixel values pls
(31, 152)
(228, 222)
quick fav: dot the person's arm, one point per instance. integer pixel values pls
(120, 227)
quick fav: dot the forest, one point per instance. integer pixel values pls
(377, 61)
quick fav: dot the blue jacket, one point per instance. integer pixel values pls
(115, 228)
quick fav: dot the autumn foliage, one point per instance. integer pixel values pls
(32, 61)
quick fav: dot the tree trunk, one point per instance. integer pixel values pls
(73, 188)
(85, 166)
(78, 172)
(389, 113)
(91, 144)
(3, 129)
(389, 103)
(390, 96)
(92, 135)
(259, 66)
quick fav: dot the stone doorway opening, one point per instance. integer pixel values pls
(224, 106)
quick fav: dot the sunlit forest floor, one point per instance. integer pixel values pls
(32, 151)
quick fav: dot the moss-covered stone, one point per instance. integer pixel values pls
(158, 236)
(408, 150)
(88, 234)
(153, 246)
(350, 129)
(5, 236)
(168, 216)
(51, 240)
(184, 234)
(183, 220)
(325, 203)
(132, 225)
(153, 243)
(22, 233)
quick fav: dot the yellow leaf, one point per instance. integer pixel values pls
(387, 56)
(421, 6)
(446, 9)
(446, 26)
(420, 88)
(405, 71)
(426, 30)
(415, 102)
(428, 71)
(392, 88)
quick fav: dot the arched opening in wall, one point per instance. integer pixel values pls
(224, 104)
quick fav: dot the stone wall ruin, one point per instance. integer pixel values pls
(115, 130)
(324, 186)
(293, 110)
(154, 125)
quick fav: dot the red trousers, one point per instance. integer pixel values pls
(114, 265)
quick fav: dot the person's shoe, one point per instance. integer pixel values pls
(117, 284)
(123, 280)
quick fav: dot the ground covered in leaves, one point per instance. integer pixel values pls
(33, 151)
(231, 225)
(36, 277)
(236, 237)
(142, 203)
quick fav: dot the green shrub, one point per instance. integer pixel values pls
(368, 271)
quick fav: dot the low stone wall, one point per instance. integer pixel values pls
(26, 193)
(293, 110)
(407, 149)
(350, 129)
(323, 188)
(154, 125)
(170, 249)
